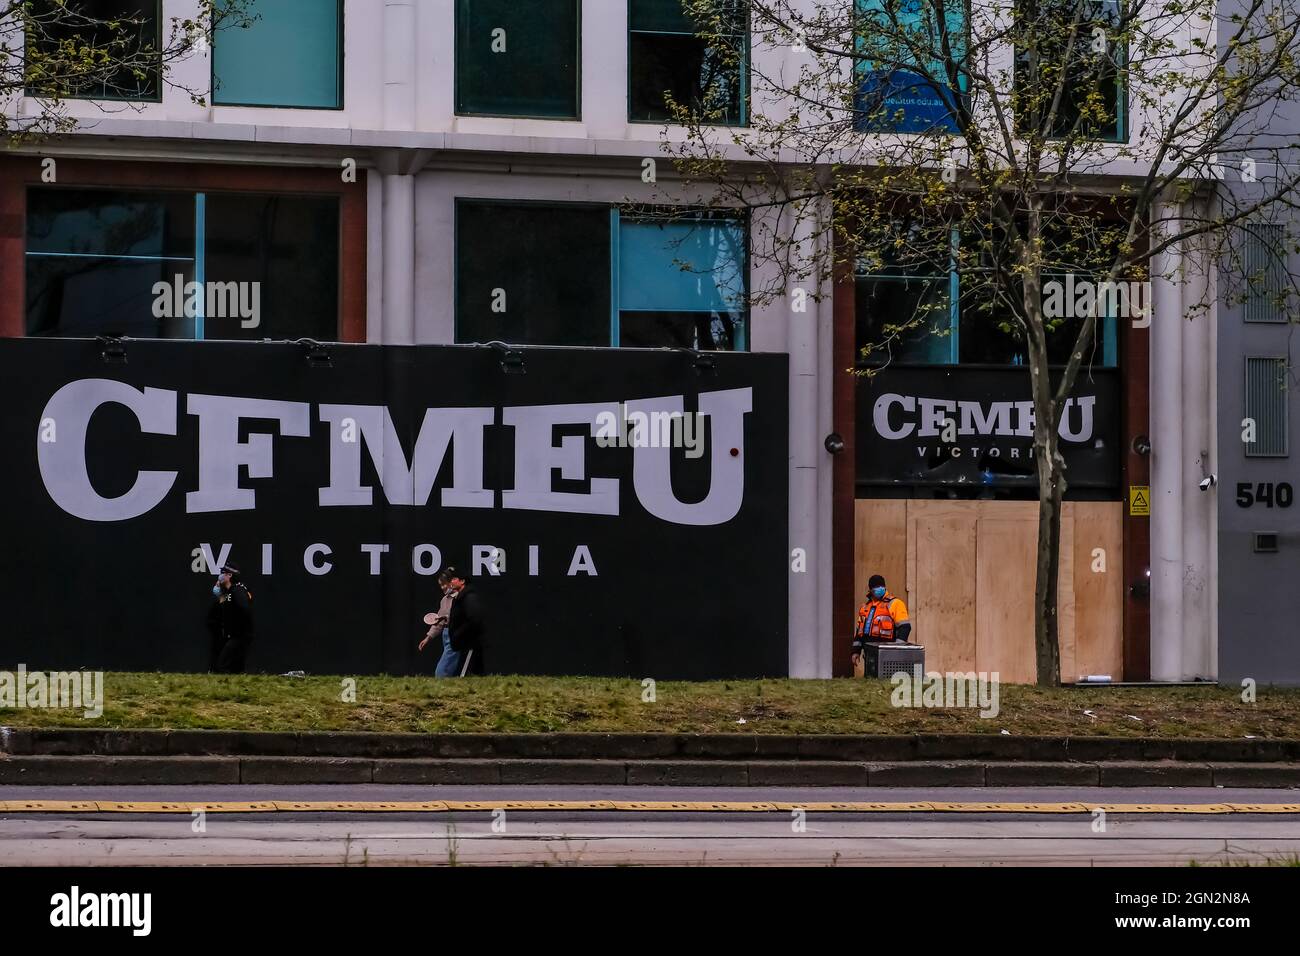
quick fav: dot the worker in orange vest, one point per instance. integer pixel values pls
(882, 618)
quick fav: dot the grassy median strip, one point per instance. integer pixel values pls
(591, 704)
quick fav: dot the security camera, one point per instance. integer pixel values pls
(834, 443)
(1209, 481)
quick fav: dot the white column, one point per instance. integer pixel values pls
(1198, 506)
(399, 64)
(1167, 473)
(398, 320)
(806, 637)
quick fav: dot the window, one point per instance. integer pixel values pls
(1266, 406)
(289, 54)
(111, 262)
(532, 274)
(63, 38)
(1093, 99)
(681, 283)
(670, 62)
(517, 59)
(1264, 264)
(892, 95)
(586, 275)
(929, 305)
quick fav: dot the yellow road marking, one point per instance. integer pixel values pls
(656, 806)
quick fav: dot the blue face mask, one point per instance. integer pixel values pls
(877, 593)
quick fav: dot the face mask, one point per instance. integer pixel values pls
(877, 593)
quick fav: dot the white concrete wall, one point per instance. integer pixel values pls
(1183, 406)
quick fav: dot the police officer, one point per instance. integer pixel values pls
(881, 618)
(230, 623)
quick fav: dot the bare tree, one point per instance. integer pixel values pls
(56, 50)
(1008, 144)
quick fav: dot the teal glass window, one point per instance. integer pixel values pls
(682, 283)
(516, 58)
(125, 32)
(892, 94)
(289, 53)
(667, 57)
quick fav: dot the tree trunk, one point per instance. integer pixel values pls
(1051, 491)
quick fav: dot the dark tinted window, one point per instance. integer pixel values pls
(516, 58)
(283, 251)
(65, 37)
(94, 257)
(669, 60)
(1093, 101)
(532, 274)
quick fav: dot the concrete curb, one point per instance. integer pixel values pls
(633, 747)
(46, 770)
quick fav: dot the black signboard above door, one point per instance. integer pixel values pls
(969, 430)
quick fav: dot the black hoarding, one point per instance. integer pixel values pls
(972, 427)
(618, 509)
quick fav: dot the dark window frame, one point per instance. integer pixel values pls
(1120, 60)
(746, 75)
(577, 79)
(160, 81)
(200, 242)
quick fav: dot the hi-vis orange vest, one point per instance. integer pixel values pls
(877, 618)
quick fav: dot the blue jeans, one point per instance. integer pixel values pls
(450, 663)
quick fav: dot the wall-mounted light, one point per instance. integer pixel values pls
(316, 354)
(512, 359)
(112, 349)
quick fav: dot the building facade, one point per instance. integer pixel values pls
(435, 172)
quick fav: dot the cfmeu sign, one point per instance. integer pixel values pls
(348, 428)
(340, 484)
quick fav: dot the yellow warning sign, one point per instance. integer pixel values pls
(1139, 500)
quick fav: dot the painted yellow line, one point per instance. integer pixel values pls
(654, 806)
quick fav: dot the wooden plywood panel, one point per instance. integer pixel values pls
(1065, 603)
(1004, 630)
(1098, 595)
(944, 587)
(879, 545)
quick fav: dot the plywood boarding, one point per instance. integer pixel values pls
(1098, 594)
(879, 545)
(1004, 613)
(944, 590)
(967, 571)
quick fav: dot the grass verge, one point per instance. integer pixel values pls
(592, 704)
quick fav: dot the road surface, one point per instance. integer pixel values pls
(790, 836)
